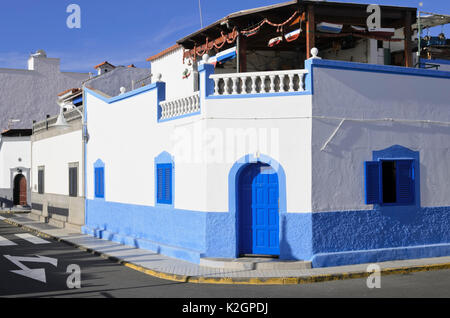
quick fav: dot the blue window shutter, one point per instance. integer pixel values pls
(164, 183)
(96, 181)
(168, 184)
(160, 185)
(99, 182)
(372, 182)
(405, 182)
(102, 182)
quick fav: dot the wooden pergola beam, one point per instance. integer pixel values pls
(408, 34)
(310, 30)
(242, 54)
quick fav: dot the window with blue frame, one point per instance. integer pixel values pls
(390, 182)
(164, 183)
(99, 179)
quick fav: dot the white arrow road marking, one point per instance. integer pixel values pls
(37, 274)
(6, 242)
(2, 218)
(32, 239)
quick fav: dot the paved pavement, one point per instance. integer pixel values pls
(104, 278)
(168, 268)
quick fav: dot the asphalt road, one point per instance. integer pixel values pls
(103, 278)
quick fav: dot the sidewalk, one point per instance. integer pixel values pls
(15, 210)
(164, 267)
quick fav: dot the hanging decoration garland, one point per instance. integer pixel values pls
(209, 45)
(231, 37)
(279, 26)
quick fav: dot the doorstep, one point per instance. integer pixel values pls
(254, 263)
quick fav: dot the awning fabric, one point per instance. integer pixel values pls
(432, 20)
(223, 56)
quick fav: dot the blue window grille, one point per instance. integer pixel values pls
(99, 182)
(164, 183)
(390, 182)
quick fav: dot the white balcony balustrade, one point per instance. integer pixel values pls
(180, 106)
(259, 82)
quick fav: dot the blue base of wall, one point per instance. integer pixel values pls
(380, 255)
(325, 238)
(354, 237)
(183, 234)
(171, 251)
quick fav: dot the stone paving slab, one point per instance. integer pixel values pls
(162, 266)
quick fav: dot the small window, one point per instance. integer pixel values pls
(390, 182)
(73, 180)
(99, 175)
(164, 183)
(41, 173)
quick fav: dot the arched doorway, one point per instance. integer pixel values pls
(20, 190)
(258, 210)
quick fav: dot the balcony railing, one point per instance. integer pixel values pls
(259, 82)
(180, 107)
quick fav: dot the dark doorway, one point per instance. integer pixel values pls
(20, 190)
(389, 181)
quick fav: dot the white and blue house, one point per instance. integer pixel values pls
(336, 163)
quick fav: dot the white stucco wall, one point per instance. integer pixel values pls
(444, 67)
(282, 126)
(55, 154)
(171, 67)
(31, 94)
(337, 172)
(129, 153)
(121, 140)
(126, 136)
(15, 152)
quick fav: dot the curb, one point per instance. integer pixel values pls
(12, 212)
(237, 280)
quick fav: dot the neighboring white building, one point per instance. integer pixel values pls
(57, 169)
(28, 95)
(58, 152)
(15, 164)
(104, 67)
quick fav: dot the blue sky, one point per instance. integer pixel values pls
(122, 32)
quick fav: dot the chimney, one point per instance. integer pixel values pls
(40, 62)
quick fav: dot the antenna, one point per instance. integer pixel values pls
(419, 32)
(200, 10)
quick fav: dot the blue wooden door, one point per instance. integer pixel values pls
(259, 219)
